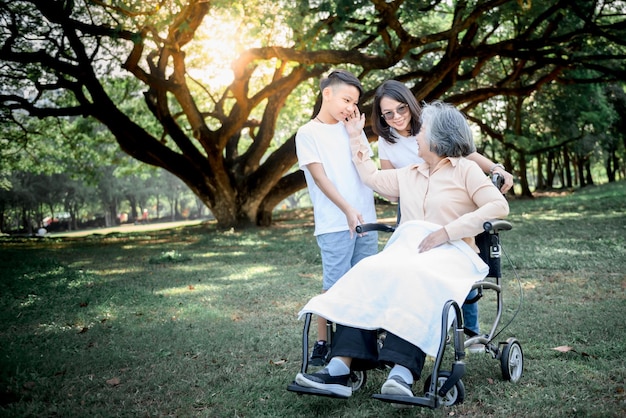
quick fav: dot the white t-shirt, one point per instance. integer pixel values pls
(330, 145)
(401, 154)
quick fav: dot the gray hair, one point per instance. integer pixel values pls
(446, 130)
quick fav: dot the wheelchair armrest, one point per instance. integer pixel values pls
(374, 227)
(497, 225)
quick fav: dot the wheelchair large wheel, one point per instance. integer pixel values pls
(454, 396)
(357, 379)
(512, 360)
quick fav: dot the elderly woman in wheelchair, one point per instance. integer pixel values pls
(430, 259)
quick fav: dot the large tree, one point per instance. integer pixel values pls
(65, 58)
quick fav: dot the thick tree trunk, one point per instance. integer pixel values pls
(550, 170)
(132, 201)
(541, 185)
(612, 164)
(580, 169)
(523, 178)
(567, 165)
(588, 176)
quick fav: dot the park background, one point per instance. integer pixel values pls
(188, 110)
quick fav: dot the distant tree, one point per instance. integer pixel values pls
(615, 146)
(228, 132)
(569, 127)
(24, 202)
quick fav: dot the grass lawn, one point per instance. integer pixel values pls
(195, 321)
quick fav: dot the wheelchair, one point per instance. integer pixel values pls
(444, 387)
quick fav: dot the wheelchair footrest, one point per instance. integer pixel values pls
(405, 400)
(301, 390)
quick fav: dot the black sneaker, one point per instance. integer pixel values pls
(337, 385)
(318, 356)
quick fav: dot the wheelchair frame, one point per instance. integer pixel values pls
(444, 387)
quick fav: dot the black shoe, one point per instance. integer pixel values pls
(320, 351)
(337, 385)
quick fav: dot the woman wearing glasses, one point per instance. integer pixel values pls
(395, 119)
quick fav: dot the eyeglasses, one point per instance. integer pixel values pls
(400, 110)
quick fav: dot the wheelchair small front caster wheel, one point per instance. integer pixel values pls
(357, 379)
(454, 396)
(512, 360)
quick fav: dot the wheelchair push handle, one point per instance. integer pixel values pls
(497, 180)
(497, 225)
(494, 225)
(374, 227)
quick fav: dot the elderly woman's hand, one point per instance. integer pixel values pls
(434, 239)
(354, 123)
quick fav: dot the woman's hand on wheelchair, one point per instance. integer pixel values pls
(508, 179)
(434, 239)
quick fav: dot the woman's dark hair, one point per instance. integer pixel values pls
(399, 92)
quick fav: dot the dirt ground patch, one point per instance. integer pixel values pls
(126, 228)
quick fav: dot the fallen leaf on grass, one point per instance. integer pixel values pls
(113, 382)
(567, 349)
(278, 362)
(191, 287)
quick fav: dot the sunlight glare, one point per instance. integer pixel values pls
(215, 47)
(220, 40)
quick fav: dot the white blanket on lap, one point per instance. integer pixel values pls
(401, 290)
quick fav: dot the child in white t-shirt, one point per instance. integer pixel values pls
(340, 199)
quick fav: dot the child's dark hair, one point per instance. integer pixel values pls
(341, 77)
(334, 78)
(399, 92)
